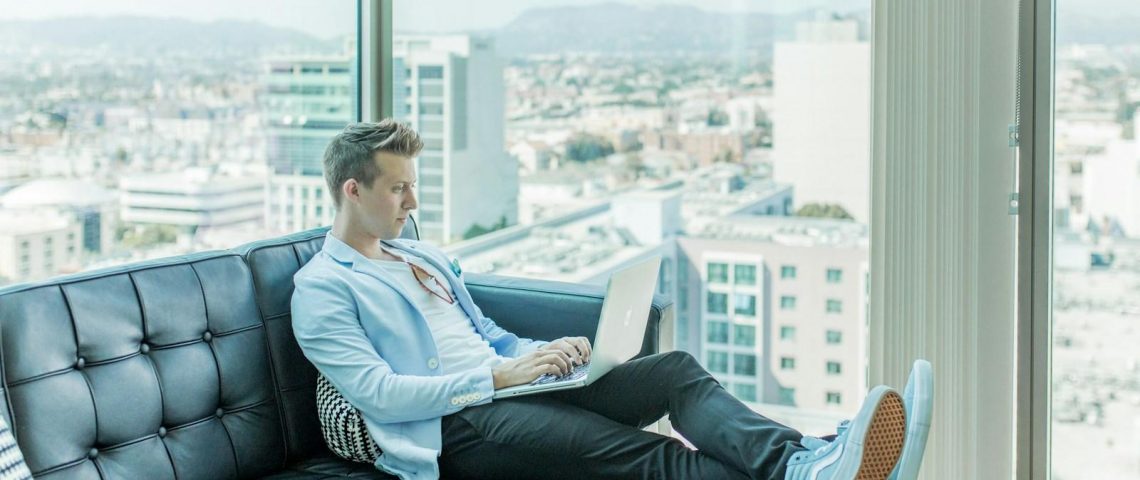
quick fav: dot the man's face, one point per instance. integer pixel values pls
(384, 205)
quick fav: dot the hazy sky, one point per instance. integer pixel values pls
(326, 18)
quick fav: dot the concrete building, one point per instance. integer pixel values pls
(94, 208)
(38, 243)
(776, 308)
(192, 198)
(821, 114)
(450, 89)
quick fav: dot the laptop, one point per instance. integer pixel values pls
(621, 328)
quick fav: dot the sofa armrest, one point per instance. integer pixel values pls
(546, 310)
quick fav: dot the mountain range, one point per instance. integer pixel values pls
(606, 28)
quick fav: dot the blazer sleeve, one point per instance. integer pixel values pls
(327, 327)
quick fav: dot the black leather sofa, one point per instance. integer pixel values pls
(186, 367)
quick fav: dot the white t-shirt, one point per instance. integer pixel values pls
(460, 346)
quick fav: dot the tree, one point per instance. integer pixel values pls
(823, 210)
(585, 147)
(477, 229)
(717, 118)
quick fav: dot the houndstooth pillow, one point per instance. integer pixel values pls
(12, 466)
(342, 426)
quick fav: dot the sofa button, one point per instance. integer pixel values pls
(79, 364)
(219, 413)
(207, 336)
(145, 349)
(432, 363)
(94, 452)
(161, 432)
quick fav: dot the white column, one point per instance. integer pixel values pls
(942, 251)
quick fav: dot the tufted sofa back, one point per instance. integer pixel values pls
(155, 370)
(183, 367)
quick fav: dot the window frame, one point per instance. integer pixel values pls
(1034, 130)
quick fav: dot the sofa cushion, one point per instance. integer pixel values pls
(329, 467)
(152, 370)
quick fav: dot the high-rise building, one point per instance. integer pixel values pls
(821, 116)
(450, 89)
(306, 102)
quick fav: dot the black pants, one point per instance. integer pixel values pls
(595, 431)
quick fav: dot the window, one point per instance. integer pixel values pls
(718, 302)
(745, 392)
(834, 306)
(787, 363)
(833, 398)
(745, 304)
(744, 335)
(718, 362)
(834, 337)
(427, 108)
(431, 90)
(745, 274)
(718, 332)
(718, 272)
(787, 333)
(579, 120)
(262, 108)
(833, 368)
(834, 275)
(743, 364)
(431, 72)
(787, 396)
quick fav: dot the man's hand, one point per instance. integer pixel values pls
(577, 348)
(528, 367)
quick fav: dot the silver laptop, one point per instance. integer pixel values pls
(621, 328)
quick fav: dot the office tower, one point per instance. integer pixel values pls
(307, 101)
(450, 89)
(821, 115)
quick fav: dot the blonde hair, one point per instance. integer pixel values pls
(350, 153)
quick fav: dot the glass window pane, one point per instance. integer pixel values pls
(834, 275)
(743, 364)
(787, 396)
(744, 335)
(718, 362)
(620, 141)
(718, 332)
(745, 305)
(834, 337)
(787, 333)
(181, 129)
(1095, 411)
(787, 363)
(718, 272)
(834, 306)
(717, 302)
(833, 368)
(745, 274)
(746, 392)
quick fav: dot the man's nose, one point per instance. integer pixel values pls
(410, 202)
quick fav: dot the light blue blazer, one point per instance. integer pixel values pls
(360, 328)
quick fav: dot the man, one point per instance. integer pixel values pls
(396, 332)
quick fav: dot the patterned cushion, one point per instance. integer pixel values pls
(12, 465)
(342, 426)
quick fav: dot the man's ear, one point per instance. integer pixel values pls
(350, 190)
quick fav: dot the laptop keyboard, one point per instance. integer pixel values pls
(575, 374)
